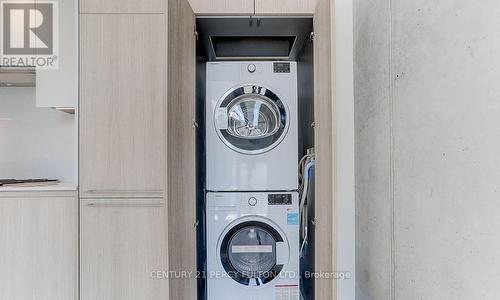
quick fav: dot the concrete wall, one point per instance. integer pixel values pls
(372, 149)
(427, 104)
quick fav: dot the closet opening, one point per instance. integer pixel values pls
(255, 156)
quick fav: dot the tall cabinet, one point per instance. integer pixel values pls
(123, 150)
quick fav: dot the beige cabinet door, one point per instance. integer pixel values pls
(122, 104)
(285, 7)
(324, 132)
(122, 6)
(230, 7)
(38, 246)
(181, 147)
(123, 249)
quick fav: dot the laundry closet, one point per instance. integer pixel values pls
(253, 231)
(180, 164)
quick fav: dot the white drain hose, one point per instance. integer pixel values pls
(306, 183)
(305, 164)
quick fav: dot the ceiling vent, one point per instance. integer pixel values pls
(252, 47)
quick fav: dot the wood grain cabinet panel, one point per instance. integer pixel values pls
(231, 7)
(122, 104)
(181, 147)
(285, 7)
(122, 6)
(38, 246)
(123, 244)
(324, 132)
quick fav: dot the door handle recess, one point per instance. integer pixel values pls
(123, 202)
(122, 194)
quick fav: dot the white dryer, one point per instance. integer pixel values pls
(251, 126)
(252, 246)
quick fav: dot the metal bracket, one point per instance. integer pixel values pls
(314, 221)
(196, 35)
(311, 36)
(195, 124)
(196, 223)
(251, 19)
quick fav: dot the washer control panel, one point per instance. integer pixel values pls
(279, 199)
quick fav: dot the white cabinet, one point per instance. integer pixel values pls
(218, 7)
(38, 245)
(285, 7)
(59, 87)
(123, 243)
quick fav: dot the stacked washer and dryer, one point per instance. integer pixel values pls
(252, 204)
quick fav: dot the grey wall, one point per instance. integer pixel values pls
(344, 144)
(372, 148)
(427, 106)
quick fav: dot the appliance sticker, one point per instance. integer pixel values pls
(292, 219)
(286, 292)
(221, 118)
(252, 249)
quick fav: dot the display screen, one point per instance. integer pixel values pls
(281, 67)
(279, 199)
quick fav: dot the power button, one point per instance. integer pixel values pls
(251, 68)
(252, 201)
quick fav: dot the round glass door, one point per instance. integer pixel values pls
(251, 119)
(249, 253)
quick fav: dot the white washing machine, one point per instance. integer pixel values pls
(251, 126)
(253, 246)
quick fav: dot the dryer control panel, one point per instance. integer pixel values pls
(279, 199)
(281, 67)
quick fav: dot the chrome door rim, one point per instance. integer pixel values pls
(257, 90)
(263, 99)
(235, 226)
